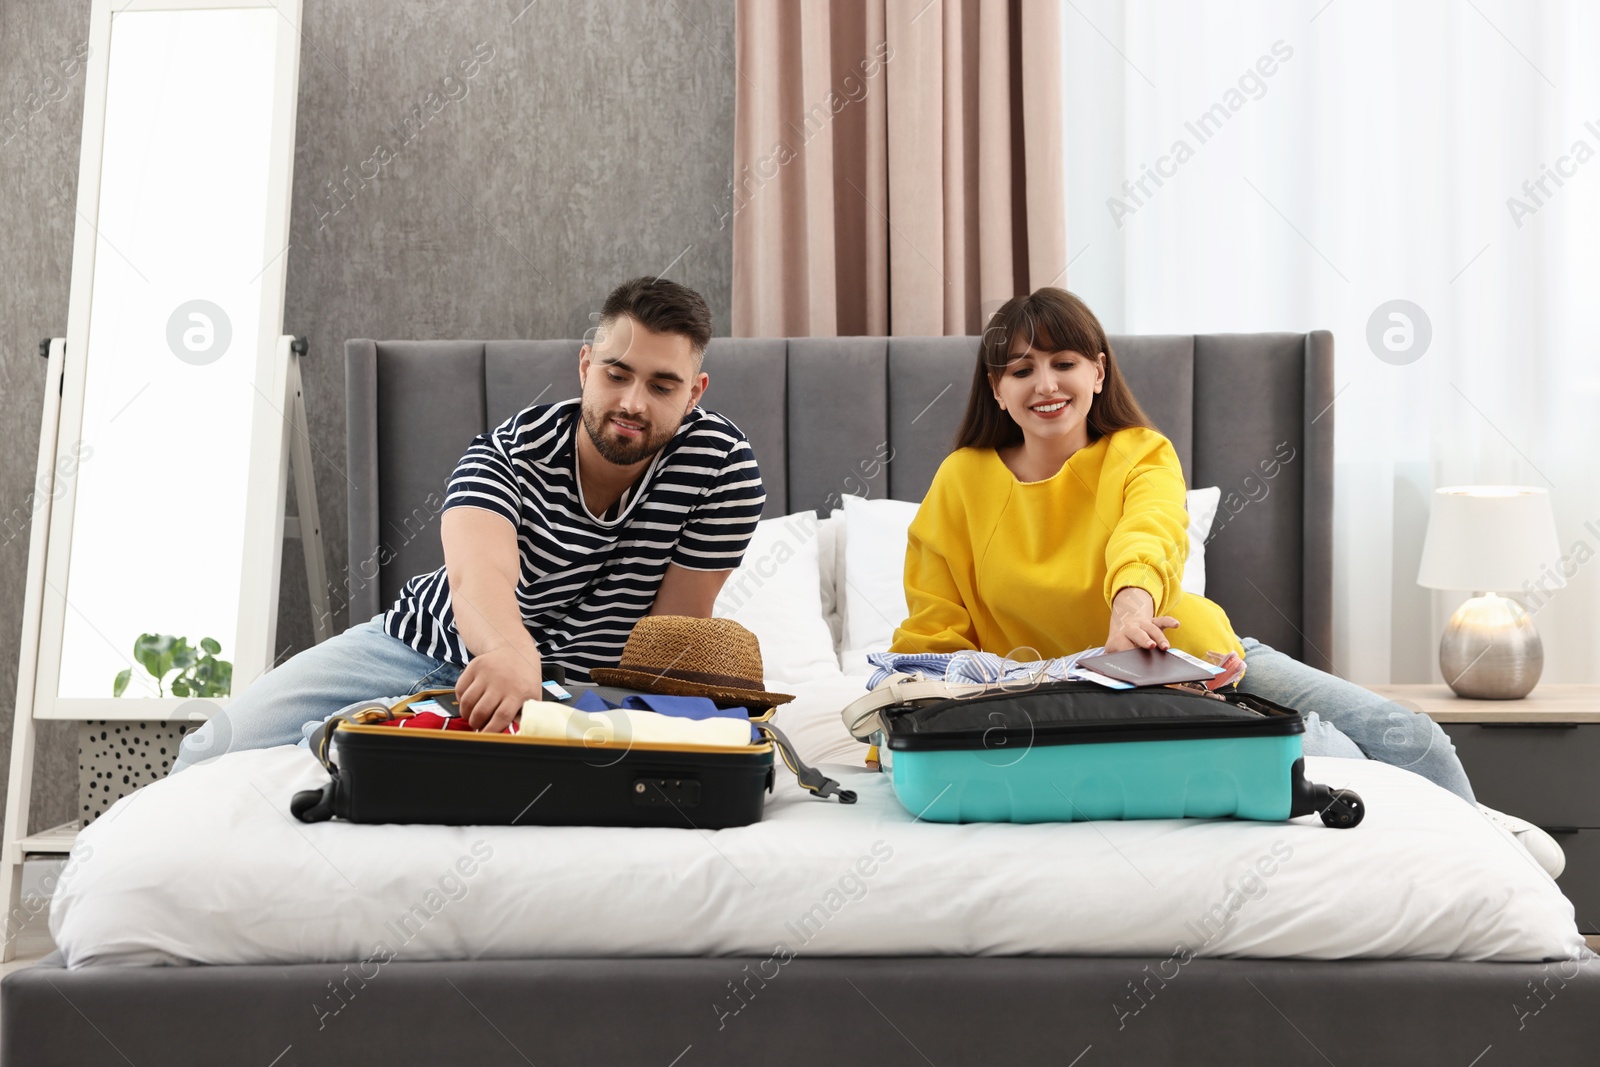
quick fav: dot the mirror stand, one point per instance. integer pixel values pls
(20, 846)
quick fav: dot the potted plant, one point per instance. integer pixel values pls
(200, 672)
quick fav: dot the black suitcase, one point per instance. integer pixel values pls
(380, 774)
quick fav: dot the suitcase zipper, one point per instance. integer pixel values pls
(1273, 719)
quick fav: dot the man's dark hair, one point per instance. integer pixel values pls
(663, 306)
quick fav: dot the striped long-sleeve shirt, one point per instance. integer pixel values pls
(586, 580)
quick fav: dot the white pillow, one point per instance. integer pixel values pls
(870, 586)
(811, 720)
(829, 557)
(872, 581)
(1202, 505)
(776, 594)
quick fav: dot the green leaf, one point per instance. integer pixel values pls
(179, 688)
(121, 683)
(154, 651)
(211, 645)
(149, 658)
(145, 644)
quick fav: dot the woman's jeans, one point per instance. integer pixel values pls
(1343, 719)
(284, 705)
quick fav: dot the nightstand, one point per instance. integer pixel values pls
(1535, 758)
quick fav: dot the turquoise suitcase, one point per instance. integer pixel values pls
(1070, 751)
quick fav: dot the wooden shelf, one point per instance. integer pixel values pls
(56, 841)
(155, 710)
(1547, 703)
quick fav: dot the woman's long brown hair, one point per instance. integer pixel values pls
(1052, 320)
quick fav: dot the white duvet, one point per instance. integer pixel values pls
(209, 866)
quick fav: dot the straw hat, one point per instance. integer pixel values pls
(685, 656)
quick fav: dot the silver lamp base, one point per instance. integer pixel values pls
(1491, 650)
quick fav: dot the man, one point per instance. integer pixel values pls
(561, 527)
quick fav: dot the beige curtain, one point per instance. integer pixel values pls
(897, 164)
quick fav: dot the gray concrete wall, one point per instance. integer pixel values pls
(593, 142)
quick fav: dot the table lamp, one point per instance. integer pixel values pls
(1491, 539)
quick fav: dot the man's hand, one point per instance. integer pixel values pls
(1132, 624)
(494, 686)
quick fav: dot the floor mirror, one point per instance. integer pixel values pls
(153, 571)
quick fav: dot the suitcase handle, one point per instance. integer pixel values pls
(812, 780)
(322, 736)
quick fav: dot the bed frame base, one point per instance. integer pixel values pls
(812, 1012)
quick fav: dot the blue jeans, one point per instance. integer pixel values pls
(284, 705)
(1343, 719)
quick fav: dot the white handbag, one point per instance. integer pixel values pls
(861, 715)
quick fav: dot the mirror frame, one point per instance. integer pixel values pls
(269, 442)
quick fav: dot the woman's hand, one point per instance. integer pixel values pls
(1232, 666)
(1133, 621)
(494, 686)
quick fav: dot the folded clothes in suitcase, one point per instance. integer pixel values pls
(1071, 750)
(463, 777)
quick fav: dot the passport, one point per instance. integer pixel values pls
(1148, 666)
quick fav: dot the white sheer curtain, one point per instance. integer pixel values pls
(1369, 157)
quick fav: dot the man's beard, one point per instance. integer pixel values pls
(623, 451)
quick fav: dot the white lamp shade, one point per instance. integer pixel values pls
(1490, 538)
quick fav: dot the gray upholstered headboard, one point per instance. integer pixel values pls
(1250, 413)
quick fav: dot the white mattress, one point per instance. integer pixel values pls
(208, 866)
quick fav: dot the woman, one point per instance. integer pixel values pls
(1059, 524)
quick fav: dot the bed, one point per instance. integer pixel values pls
(1493, 975)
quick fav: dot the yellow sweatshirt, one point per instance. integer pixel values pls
(1018, 568)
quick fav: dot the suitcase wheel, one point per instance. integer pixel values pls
(1339, 808)
(314, 805)
(1344, 810)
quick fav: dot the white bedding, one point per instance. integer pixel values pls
(208, 866)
